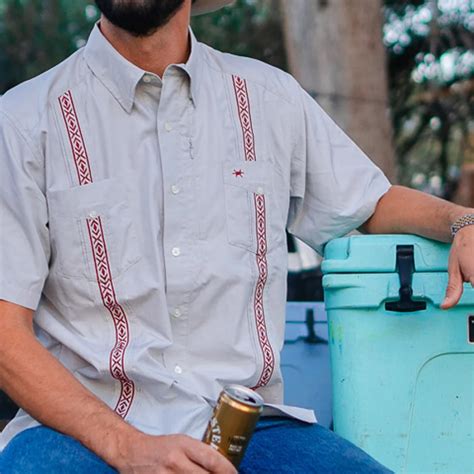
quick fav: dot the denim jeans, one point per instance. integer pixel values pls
(279, 445)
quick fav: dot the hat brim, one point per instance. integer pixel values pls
(205, 6)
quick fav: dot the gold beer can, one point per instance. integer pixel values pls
(233, 422)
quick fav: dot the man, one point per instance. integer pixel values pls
(147, 182)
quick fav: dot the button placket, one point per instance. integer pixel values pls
(180, 256)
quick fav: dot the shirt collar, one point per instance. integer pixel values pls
(121, 77)
(193, 66)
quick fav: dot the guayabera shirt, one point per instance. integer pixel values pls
(143, 219)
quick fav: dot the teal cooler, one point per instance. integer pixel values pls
(402, 368)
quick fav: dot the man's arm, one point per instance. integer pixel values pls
(45, 389)
(38, 383)
(406, 211)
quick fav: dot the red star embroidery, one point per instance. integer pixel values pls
(238, 173)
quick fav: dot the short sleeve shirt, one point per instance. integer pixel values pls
(143, 219)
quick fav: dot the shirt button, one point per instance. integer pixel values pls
(178, 370)
(168, 127)
(176, 252)
(177, 313)
(92, 214)
(146, 79)
(175, 189)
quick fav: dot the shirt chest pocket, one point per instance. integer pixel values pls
(251, 214)
(92, 231)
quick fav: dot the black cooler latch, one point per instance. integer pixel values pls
(405, 268)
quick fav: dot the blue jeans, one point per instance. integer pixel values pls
(279, 445)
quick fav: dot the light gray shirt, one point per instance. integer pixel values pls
(143, 219)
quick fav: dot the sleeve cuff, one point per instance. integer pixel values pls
(20, 296)
(377, 191)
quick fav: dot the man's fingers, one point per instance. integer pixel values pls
(189, 467)
(207, 457)
(455, 287)
(183, 465)
(177, 460)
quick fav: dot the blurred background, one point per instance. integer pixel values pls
(397, 75)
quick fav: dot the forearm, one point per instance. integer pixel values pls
(38, 383)
(406, 211)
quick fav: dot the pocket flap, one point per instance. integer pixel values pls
(251, 175)
(71, 211)
(80, 201)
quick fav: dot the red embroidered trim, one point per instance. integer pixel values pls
(101, 262)
(267, 351)
(243, 106)
(107, 292)
(76, 139)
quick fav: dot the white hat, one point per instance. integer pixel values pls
(206, 6)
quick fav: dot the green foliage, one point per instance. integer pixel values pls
(37, 34)
(431, 74)
(248, 28)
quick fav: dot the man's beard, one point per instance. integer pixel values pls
(139, 17)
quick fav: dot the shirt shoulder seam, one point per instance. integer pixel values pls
(21, 131)
(261, 84)
(17, 129)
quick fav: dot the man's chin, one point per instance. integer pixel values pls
(139, 19)
(140, 33)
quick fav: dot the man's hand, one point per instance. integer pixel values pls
(145, 454)
(461, 266)
(406, 211)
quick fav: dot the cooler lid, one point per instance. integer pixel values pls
(378, 254)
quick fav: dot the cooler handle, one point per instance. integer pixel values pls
(405, 268)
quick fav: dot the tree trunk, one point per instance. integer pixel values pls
(335, 50)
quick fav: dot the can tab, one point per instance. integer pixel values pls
(405, 268)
